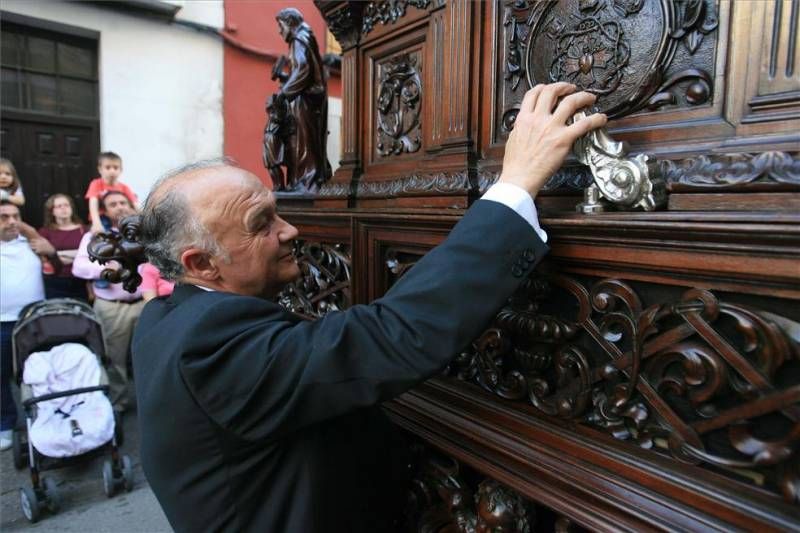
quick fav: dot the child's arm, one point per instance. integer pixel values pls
(94, 214)
(16, 198)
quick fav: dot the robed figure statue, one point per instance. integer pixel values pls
(297, 130)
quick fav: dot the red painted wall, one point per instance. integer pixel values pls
(246, 76)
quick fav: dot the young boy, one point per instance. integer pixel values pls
(109, 165)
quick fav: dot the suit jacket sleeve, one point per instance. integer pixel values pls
(261, 374)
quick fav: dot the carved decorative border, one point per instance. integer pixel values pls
(388, 11)
(719, 171)
(726, 170)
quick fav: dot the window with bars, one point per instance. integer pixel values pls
(49, 73)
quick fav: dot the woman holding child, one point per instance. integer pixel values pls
(64, 229)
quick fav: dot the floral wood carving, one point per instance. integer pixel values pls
(413, 185)
(399, 104)
(730, 170)
(324, 284)
(633, 54)
(715, 171)
(388, 11)
(122, 246)
(708, 382)
(344, 23)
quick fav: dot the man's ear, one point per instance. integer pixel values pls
(199, 264)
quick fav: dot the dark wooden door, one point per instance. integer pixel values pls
(50, 158)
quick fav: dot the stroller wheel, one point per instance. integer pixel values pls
(127, 472)
(19, 449)
(29, 503)
(108, 478)
(51, 494)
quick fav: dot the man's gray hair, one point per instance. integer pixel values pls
(169, 227)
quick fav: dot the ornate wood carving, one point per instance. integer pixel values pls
(705, 381)
(344, 22)
(399, 104)
(733, 170)
(388, 12)
(412, 185)
(633, 54)
(712, 171)
(122, 246)
(324, 285)
(443, 500)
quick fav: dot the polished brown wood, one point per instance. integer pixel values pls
(647, 376)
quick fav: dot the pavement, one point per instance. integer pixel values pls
(85, 507)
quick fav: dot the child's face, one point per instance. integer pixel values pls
(6, 177)
(110, 169)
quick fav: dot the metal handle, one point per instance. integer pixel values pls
(621, 181)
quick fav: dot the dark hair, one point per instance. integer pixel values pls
(290, 16)
(50, 220)
(14, 178)
(108, 155)
(112, 193)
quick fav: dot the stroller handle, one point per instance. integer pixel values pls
(72, 392)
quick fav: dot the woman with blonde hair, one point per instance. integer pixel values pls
(64, 229)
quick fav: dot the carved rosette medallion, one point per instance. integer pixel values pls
(591, 43)
(633, 54)
(398, 105)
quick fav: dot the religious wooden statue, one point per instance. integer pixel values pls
(296, 133)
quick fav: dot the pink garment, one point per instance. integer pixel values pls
(152, 281)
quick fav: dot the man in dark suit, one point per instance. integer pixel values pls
(254, 421)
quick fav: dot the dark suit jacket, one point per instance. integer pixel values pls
(253, 421)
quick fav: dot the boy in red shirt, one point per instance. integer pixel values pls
(109, 165)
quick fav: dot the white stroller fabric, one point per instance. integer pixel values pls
(70, 425)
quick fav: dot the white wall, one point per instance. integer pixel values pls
(160, 84)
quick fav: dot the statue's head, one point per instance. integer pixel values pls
(289, 19)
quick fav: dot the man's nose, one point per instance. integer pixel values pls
(287, 232)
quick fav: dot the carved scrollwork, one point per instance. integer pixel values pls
(711, 383)
(324, 285)
(399, 104)
(388, 11)
(122, 246)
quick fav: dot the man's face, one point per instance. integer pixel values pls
(117, 207)
(241, 215)
(110, 169)
(9, 222)
(284, 30)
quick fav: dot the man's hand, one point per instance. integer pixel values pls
(541, 138)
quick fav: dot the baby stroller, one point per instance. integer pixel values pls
(50, 336)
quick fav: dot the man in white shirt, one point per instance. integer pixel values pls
(20, 284)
